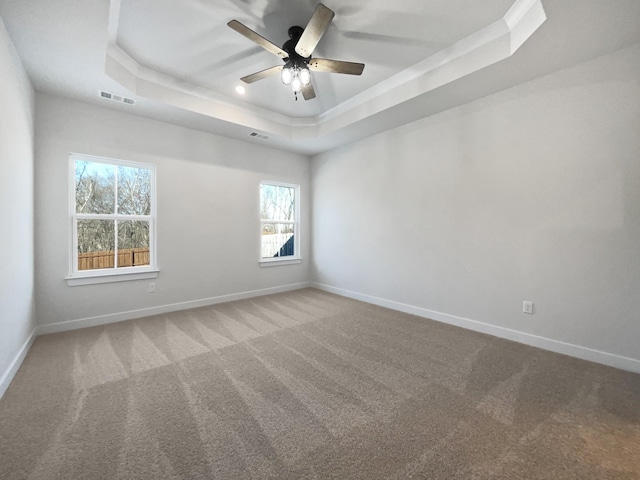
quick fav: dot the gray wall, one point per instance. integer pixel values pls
(16, 206)
(208, 219)
(529, 194)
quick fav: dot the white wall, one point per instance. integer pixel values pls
(208, 230)
(530, 194)
(16, 208)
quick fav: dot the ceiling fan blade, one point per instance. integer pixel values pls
(336, 66)
(260, 40)
(308, 92)
(267, 72)
(314, 30)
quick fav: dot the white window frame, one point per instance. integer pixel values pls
(297, 256)
(86, 277)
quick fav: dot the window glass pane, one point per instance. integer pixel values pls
(134, 191)
(95, 187)
(133, 243)
(277, 202)
(96, 244)
(277, 240)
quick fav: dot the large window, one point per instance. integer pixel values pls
(279, 219)
(113, 217)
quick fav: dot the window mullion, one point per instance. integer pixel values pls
(115, 213)
(287, 222)
(144, 218)
(115, 189)
(74, 246)
(95, 216)
(110, 216)
(115, 243)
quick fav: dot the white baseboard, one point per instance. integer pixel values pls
(145, 312)
(584, 353)
(8, 375)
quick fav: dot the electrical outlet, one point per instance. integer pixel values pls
(152, 288)
(527, 307)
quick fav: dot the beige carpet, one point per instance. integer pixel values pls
(311, 385)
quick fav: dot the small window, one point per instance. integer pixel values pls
(279, 222)
(113, 217)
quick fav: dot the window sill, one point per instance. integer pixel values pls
(110, 278)
(276, 262)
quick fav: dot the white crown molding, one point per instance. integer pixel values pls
(164, 88)
(487, 46)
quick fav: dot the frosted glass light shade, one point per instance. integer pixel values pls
(296, 84)
(305, 76)
(287, 75)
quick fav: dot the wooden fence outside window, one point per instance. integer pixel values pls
(130, 257)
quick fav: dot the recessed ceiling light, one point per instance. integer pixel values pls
(240, 89)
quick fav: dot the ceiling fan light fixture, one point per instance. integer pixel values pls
(296, 54)
(305, 76)
(287, 75)
(296, 84)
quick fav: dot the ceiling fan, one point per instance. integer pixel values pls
(296, 54)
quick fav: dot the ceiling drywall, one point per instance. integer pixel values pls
(181, 63)
(191, 41)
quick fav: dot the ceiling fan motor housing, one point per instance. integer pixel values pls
(294, 60)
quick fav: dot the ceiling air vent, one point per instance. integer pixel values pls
(258, 135)
(116, 98)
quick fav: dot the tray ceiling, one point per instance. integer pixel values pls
(181, 63)
(190, 41)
